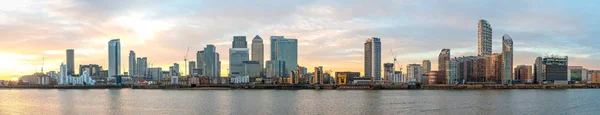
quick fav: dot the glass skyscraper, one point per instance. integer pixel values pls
(114, 58)
(285, 49)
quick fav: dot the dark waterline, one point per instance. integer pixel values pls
(280, 102)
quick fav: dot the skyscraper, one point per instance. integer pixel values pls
(191, 67)
(537, 70)
(176, 69)
(507, 59)
(132, 64)
(114, 58)
(484, 38)
(70, 62)
(211, 61)
(142, 67)
(200, 62)
(239, 42)
(285, 49)
(258, 51)
(426, 66)
(443, 59)
(237, 56)
(373, 58)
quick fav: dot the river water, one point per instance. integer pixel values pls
(302, 102)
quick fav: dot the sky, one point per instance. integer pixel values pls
(330, 33)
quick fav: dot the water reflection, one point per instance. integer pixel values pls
(128, 101)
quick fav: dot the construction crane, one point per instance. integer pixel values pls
(395, 60)
(185, 59)
(42, 65)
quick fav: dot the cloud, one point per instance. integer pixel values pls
(330, 33)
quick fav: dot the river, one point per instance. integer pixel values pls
(302, 102)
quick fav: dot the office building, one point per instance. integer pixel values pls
(252, 69)
(285, 49)
(372, 58)
(114, 58)
(142, 67)
(484, 38)
(443, 59)
(237, 56)
(414, 73)
(211, 61)
(191, 67)
(258, 51)
(132, 64)
(239, 42)
(200, 62)
(577, 74)
(426, 66)
(523, 74)
(555, 69)
(70, 61)
(507, 59)
(275, 68)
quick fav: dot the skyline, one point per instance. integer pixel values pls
(326, 30)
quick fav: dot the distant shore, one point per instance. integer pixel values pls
(315, 87)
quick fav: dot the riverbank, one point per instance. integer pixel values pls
(316, 87)
(63, 87)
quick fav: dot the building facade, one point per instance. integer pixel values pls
(507, 59)
(70, 61)
(285, 49)
(211, 61)
(414, 72)
(372, 57)
(577, 74)
(484, 38)
(426, 66)
(114, 58)
(388, 70)
(523, 74)
(237, 56)
(132, 64)
(555, 69)
(258, 51)
(443, 59)
(252, 69)
(142, 66)
(191, 67)
(239, 42)
(275, 68)
(155, 73)
(200, 62)
(493, 68)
